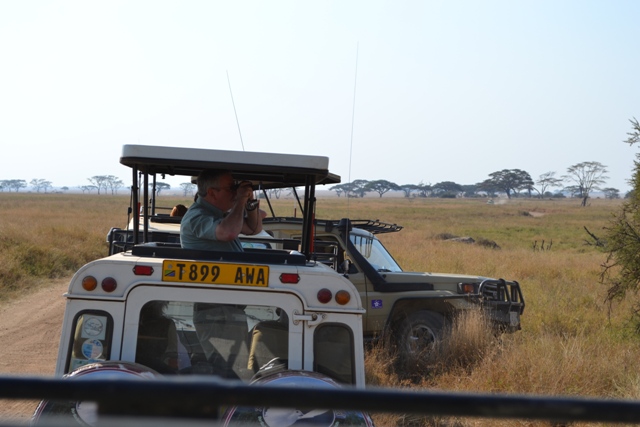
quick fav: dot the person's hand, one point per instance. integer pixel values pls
(244, 192)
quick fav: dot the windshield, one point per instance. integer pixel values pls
(375, 253)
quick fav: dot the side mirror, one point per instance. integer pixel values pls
(344, 267)
(347, 267)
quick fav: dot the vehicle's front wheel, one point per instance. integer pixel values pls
(419, 332)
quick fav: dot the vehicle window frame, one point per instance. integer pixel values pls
(318, 348)
(108, 338)
(375, 246)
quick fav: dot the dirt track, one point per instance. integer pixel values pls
(29, 338)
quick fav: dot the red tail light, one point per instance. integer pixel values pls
(109, 284)
(324, 295)
(289, 278)
(143, 270)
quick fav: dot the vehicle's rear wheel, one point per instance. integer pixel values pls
(419, 332)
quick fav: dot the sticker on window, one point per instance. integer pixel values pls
(94, 327)
(92, 349)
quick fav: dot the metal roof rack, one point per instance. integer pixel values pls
(373, 226)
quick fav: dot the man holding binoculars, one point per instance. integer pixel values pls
(221, 212)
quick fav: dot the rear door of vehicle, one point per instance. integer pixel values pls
(215, 324)
(333, 345)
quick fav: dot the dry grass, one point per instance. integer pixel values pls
(48, 236)
(569, 345)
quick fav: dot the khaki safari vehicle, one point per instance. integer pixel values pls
(416, 307)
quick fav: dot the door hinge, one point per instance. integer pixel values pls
(311, 319)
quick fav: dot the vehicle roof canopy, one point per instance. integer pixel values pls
(270, 170)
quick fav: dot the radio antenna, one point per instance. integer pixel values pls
(234, 111)
(353, 115)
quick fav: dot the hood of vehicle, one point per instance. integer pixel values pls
(434, 278)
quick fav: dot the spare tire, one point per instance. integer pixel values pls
(86, 413)
(284, 417)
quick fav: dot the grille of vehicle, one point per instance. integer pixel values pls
(502, 291)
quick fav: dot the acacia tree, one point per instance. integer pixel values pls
(611, 193)
(381, 186)
(15, 184)
(509, 181)
(99, 182)
(621, 270)
(162, 186)
(355, 188)
(359, 187)
(274, 193)
(187, 188)
(113, 183)
(447, 188)
(88, 188)
(545, 181)
(40, 184)
(341, 188)
(587, 177)
(345, 187)
(470, 190)
(424, 190)
(488, 187)
(407, 189)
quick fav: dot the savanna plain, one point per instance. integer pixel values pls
(572, 343)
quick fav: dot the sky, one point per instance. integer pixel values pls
(407, 91)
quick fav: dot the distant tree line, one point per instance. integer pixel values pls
(101, 184)
(580, 181)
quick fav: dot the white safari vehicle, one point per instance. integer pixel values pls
(262, 315)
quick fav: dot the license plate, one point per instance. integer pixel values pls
(215, 273)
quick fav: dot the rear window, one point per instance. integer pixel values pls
(231, 341)
(334, 353)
